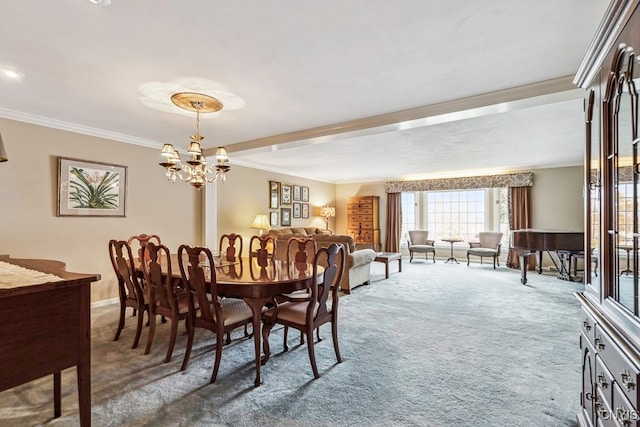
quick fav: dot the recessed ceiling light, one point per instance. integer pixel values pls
(11, 74)
(101, 2)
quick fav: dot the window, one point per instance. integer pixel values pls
(459, 213)
(455, 213)
(408, 202)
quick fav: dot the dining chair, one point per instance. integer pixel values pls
(262, 247)
(320, 306)
(230, 245)
(488, 246)
(142, 240)
(221, 315)
(166, 298)
(130, 290)
(300, 250)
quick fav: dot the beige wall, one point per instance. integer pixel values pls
(246, 194)
(29, 227)
(557, 199)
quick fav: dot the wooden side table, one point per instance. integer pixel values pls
(386, 257)
(452, 240)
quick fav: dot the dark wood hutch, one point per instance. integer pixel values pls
(610, 336)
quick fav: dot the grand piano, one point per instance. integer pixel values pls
(527, 242)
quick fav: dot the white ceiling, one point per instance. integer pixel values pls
(320, 78)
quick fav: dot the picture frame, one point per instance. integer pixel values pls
(88, 188)
(273, 219)
(305, 210)
(296, 193)
(305, 194)
(297, 210)
(274, 194)
(285, 217)
(285, 194)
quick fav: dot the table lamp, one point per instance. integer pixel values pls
(327, 212)
(261, 223)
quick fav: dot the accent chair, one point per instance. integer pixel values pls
(488, 246)
(419, 243)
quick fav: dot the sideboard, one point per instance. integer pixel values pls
(45, 328)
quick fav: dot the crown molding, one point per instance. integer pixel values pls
(75, 128)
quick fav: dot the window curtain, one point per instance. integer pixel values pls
(393, 223)
(519, 218)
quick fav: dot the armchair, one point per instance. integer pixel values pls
(488, 246)
(419, 243)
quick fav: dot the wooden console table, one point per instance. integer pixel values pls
(45, 326)
(386, 258)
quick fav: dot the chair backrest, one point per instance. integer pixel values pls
(266, 248)
(161, 290)
(199, 277)
(418, 237)
(301, 249)
(143, 239)
(230, 246)
(333, 258)
(124, 266)
(490, 239)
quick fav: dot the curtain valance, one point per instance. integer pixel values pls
(523, 179)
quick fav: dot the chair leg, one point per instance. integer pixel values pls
(266, 349)
(312, 353)
(334, 334)
(187, 352)
(152, 332)
(467, 260)
(246, 331)
(410, 256)
(433, 255)
(228, 338)
(216, 365)
(172, 338)
(120, 322)
(286, 332)
(138, 328)
(494, 263)
(318, 334)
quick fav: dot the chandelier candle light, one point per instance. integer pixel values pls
(195, 171)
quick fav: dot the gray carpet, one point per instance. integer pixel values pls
(436, 345)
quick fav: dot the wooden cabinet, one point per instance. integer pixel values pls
(362, 220)
(610, 336)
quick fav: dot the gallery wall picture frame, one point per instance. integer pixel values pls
(274, 194)
(88, 188)
(305, 210)
(285, 217)
(296, 193)
(285, 194)
(273, 219)
(305, 194)
(297, 210)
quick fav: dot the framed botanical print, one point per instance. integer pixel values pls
(297, 210)
(285, 196)
(305, 194)
(285, 217)
(87, 188)
(296, 193)
(273, 219)
(305, 210)
(274, 194)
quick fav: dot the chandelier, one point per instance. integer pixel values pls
(195, 171)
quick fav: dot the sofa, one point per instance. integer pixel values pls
(357, 265)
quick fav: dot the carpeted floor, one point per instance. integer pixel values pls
(435, 345)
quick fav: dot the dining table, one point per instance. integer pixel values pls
(257, 281)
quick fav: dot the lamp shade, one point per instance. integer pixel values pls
(261, 223)
(327, 211)
(3, 151)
